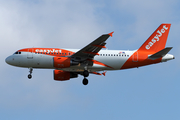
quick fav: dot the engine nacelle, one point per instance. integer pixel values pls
(63, 62)
(61, 75)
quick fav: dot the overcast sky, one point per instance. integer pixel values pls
(147, 93)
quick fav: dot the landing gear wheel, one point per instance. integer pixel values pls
(85, 73)
(85, 81)
(30, 71)
(29, 76)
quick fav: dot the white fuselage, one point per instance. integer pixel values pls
(109, 59)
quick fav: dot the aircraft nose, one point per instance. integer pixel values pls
(8, 60)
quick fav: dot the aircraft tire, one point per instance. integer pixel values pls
(29, 76)
(85, 81)
(85, 73)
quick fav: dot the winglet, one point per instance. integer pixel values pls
(111, 34)
(104, 73)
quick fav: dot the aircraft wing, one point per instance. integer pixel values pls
(92, 49)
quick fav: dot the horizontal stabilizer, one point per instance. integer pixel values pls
(160, 54)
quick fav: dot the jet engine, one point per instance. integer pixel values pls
(63, 62)
(61, 75)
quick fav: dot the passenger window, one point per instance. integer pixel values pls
(19, 52)
(111, 54)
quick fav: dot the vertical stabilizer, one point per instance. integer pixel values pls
(157, 40)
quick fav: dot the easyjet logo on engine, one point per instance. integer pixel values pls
(156, 38)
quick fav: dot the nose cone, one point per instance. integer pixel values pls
(8, 61)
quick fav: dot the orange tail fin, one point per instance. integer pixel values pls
(157, 40)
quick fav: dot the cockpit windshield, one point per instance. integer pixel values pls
(17, 52)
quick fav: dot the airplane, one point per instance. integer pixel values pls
(69, 63)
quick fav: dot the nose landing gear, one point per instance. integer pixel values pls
(30, 76)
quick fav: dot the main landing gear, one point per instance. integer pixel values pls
(85, 80)
(30, 70)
